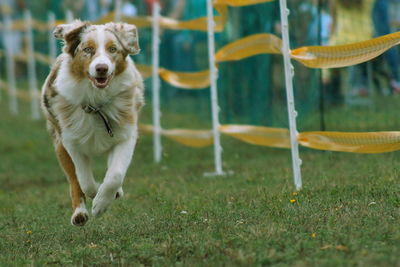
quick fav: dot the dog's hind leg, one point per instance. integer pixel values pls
(80, 215)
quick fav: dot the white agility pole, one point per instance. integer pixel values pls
(289, 73)
(214, 91)
(52, 41)
(69, 16)
(118, 10)
(8, 43)
(156, 82)
(33, 88)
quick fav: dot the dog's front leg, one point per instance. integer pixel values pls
(118, 163)
(83, 171)
(77, 168)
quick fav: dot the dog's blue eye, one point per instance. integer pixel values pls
(112, 49)
(88, 50)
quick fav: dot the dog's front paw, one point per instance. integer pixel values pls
(102, 200)
(80, 216)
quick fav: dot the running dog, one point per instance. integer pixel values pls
(91, 100)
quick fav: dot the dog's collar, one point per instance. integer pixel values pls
(91, 109)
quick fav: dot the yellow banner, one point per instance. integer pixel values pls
(23, 57)
(344, 55)
(255, 44)
(258, 135)
(310, 56)
(23, 95)
(240, 2)
(139, 21)
(145, 70)
(186, 80)
(370, 142)
(354, 142)
(192, 138)
(40, 26)
(42, 58)
(145, 128)
(20, 25)
(199, 24)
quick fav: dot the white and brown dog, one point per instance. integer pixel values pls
(91, 100)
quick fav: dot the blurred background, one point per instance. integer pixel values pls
(251, 91)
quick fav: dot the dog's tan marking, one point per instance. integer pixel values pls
(109, 43)
(118, 57)
(125, 112)
(90, 43)
(65, 109)
(72, 39)
(80, 62)
(47, 99)
(69, 168)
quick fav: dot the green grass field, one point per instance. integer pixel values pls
(348, 213)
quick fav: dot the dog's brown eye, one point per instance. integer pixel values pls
(88, 50)
(112, 49)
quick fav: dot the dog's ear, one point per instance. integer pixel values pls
(127, 35)
(70, 33)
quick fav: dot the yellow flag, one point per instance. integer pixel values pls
(186, 80)
(370, 142)
(45, 59)
(255, 44)
(199, 24)
(145, 70)
(344, 55)
(40, 26)
(258, 135)
(192, 138)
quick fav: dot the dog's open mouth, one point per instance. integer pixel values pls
(100, 82)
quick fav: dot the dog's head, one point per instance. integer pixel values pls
(98, 51)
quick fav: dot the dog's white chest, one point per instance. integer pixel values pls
(89, 132)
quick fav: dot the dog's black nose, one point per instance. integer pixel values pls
(101, 69)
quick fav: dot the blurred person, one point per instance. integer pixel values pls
(382, 27)
(352, 23)
(394, 11)
(150, 3)
(129, 9)
(319, 29)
